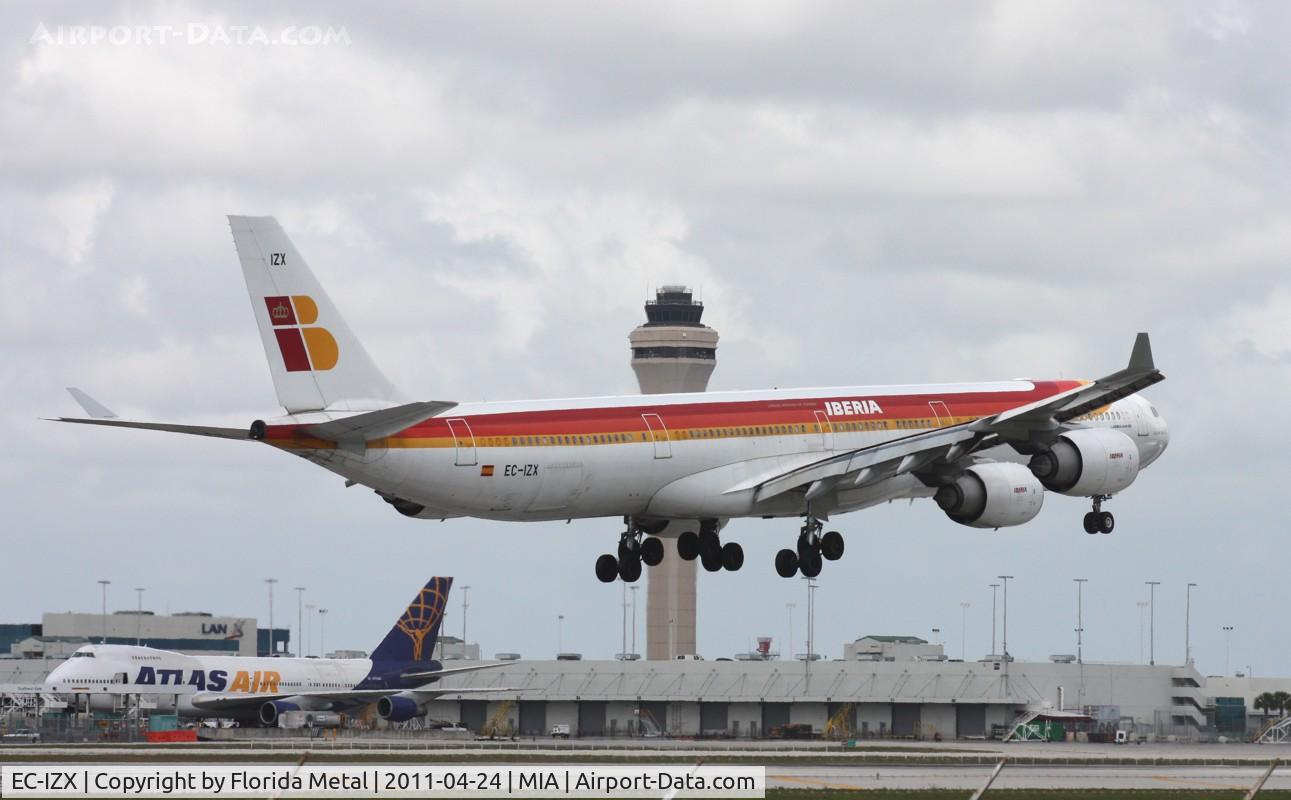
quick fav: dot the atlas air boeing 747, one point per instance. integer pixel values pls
(399, 676)
(679, 466)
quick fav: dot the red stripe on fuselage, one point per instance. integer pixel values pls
(724, 414)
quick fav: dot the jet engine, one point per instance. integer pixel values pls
(1088, 462)
(992, 495)
(272, 709)
(400, 707)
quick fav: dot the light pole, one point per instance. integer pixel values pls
(623, 648)
(465, 589)
(1006, 579)
(1187, 624)
(322, 633)
(811, 634)
(1080, 624)
(1228, 641)
(963, 632)
(309, 632)
(994, 587)
(271, 582)
(138, 616)
(300, 616)
(789, 607)
(634, 618)
(560, 634)
(1152, 620)
(104, 638)
(1143, 606)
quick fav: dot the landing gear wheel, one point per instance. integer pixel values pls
(1091, 522)
(630, 569)
(732, 557)
(810, 568)
(688, 545)
(831, 545)
(607, 568)
(1106, 522)
(651, 551)
(710, 546)
(786, 563)
(807, 549)
(712, 563)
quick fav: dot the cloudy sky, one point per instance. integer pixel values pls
(866, 193)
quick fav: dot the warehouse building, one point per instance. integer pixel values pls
(866, 698)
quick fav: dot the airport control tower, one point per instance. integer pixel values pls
(672, 352)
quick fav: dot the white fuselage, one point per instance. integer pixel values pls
(683, 456)
(103, 673)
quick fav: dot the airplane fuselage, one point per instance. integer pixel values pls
(679, 456)
(100, 672)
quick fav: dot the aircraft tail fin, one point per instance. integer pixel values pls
(412, 639)
(315, 360)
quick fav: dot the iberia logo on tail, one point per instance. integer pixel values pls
(303, 345)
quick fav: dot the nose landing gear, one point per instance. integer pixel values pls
(1099, 521)
(812, 550)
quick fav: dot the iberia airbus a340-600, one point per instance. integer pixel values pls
(680, 465)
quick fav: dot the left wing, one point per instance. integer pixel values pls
(1030, 426)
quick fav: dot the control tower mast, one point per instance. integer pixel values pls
(672, 352)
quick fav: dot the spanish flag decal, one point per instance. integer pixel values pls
(486, 471)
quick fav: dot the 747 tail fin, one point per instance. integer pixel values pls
(412, 639)
(315, 359)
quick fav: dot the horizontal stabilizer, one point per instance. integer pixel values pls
(375, 425)
(434, 674)
(196, 430)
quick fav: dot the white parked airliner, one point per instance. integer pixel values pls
(399, 676)
(681, 464)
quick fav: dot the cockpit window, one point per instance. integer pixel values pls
(1154, 411)
(82, 654)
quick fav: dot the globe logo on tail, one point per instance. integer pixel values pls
(423, 615)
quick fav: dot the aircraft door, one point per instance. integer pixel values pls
(659, 435)
(941, 413)
(463, 441)
(1141, 421)
(826, 431)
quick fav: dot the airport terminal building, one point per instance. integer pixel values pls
(194, 633)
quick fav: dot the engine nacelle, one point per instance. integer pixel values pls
(1088, 462)
(994, 495)
(399, 707)
(271, 710)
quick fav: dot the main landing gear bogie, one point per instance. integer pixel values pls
(1098, 520)
(706, 545)
(635, 549)
(812, 550)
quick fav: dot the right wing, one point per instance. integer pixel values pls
(222, 701)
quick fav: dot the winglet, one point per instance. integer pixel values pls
(92, 407)
(1141, 356)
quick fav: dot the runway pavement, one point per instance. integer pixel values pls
(1022, 777)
